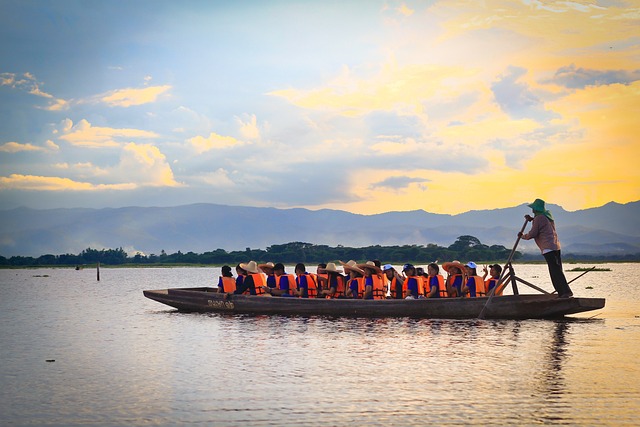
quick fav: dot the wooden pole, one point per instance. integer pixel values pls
(576, 278)
(98, 271)
(507, 265)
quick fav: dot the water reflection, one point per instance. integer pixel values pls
(125, 360)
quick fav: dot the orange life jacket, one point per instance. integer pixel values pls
(292, 282)
(360, 282)
(393, 286)
(492, 282)
(312, 284)
(423, 285)
(378, 287)
(480, 292)
(228, 284)
(442, 287)
(339, 287)
(258, 281)
(321, 278)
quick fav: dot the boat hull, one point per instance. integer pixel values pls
(504, 307)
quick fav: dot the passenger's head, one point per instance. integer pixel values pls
(471, 268)
(240, 270)
(278, 269)
(433, 269)
(226, 271)
(495, 270)
(321, 267)
(300, 268)
(389, 271)
(409, 270)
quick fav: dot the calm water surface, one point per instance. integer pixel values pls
(121, 359)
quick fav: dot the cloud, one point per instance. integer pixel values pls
(393, 88)
(15, 147)
(399, 182)
(28, 83)
(146, 165)
(405, 10)
(85, 135)
(579, 78)
(51, 145)
(518, 99)
(249, 129)
(218, 179)
(213, 142)
(50, 183)
(129, 97)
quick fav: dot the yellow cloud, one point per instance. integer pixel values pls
(405, 10)
(15, 147)
(50, 183)
(130, 96)
(482, 132)
(395, 88)
(249, 129)
(146, 165)
(86, 135)
(213, 142)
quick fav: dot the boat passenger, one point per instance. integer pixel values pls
(395, 282)
(436, 287)
(495, 271)
(455, 278)
(254, 282)
(475, 285)
(543, 231)
(410, 285)
(347, 272)
(305, 282)
(373, 286)
(240, 276)
(423, 282)
(226, 283)
(355, 285)
(285, 283)
(267, 269)
(335, 282)
(321, 276)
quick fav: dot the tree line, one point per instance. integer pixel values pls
(464, 248)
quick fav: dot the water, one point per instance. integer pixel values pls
(122, 359)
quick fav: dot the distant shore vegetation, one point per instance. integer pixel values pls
(465, 248)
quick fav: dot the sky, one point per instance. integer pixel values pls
(363, 106)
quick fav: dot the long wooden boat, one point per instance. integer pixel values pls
(542, 306)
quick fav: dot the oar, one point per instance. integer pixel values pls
(577, 277)
(513, 251)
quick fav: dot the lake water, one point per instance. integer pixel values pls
(75, 351)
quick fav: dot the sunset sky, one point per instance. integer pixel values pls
(364, 106)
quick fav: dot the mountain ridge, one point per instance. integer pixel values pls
(613, 228)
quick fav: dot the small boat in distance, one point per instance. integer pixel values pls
(532, 306)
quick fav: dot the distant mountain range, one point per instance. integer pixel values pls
(612, 229)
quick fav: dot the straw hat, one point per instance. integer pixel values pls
(267, 266)
(251, 267)
(331, 268)
(352, 265)
(447, 266)
(371, 265)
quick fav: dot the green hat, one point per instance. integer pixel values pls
(539, 208)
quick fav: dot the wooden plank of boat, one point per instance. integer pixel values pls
(503, 307)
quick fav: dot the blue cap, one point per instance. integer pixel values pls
(471, 264)
(407, 266)
(387, 267)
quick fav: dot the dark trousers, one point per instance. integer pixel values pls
(554, 261)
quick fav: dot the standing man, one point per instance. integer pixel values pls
(543, 231)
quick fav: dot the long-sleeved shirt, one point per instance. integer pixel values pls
(543, 231)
